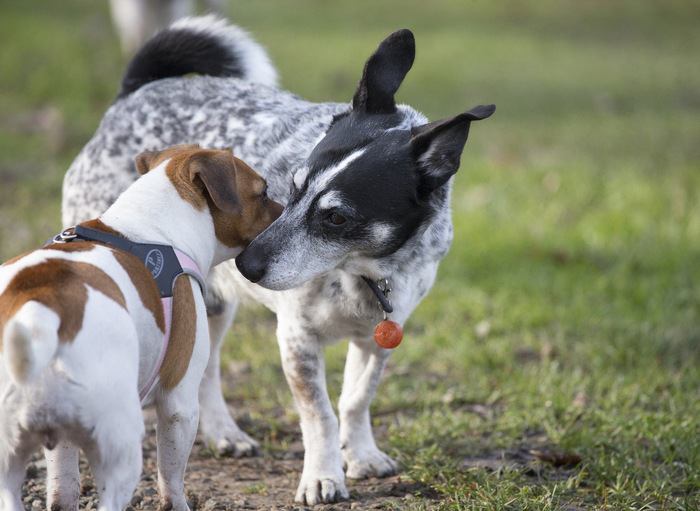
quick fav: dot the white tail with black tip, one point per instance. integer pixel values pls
(205, 45)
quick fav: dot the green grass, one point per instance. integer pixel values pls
(567, 314)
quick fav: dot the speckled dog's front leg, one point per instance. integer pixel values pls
(322, 479)
(363, 370)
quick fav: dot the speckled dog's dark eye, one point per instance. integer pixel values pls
(336, 219)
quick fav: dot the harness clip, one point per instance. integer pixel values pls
(65, 236)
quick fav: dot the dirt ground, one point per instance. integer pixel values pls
(267, 481)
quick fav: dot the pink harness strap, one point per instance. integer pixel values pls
(189, 268)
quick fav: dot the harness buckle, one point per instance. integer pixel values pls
(65, 236)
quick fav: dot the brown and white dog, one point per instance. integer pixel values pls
(82, 330)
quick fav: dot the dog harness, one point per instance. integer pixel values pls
(164, 263)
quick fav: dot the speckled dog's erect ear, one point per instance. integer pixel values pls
(383, 74)
(437, 147)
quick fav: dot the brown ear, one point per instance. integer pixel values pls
(217, 171)
(149, 159)
(145, 160)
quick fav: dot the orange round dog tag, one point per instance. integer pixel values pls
(388, 334)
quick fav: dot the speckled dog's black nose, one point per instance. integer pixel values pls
(251, 265)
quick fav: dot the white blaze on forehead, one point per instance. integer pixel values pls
(330, 200)
(326, 176)
(318, 182)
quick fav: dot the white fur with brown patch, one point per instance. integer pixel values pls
(83, 393)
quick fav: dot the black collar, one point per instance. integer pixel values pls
(381, 290)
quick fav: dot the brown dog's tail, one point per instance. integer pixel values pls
(30, 341)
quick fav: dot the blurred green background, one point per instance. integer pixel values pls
(567, 314)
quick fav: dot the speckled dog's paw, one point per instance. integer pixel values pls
(369, 463)
(171, 503)
(228, 439)
(321, 489)
(236, 444)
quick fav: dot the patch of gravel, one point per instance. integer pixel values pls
(222, 484)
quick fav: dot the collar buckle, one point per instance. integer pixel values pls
(385, 287)
(381, 289)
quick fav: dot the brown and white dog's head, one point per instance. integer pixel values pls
(235, 194)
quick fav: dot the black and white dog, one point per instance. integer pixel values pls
(367, 193)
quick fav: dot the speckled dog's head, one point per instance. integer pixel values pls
(368, 185)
